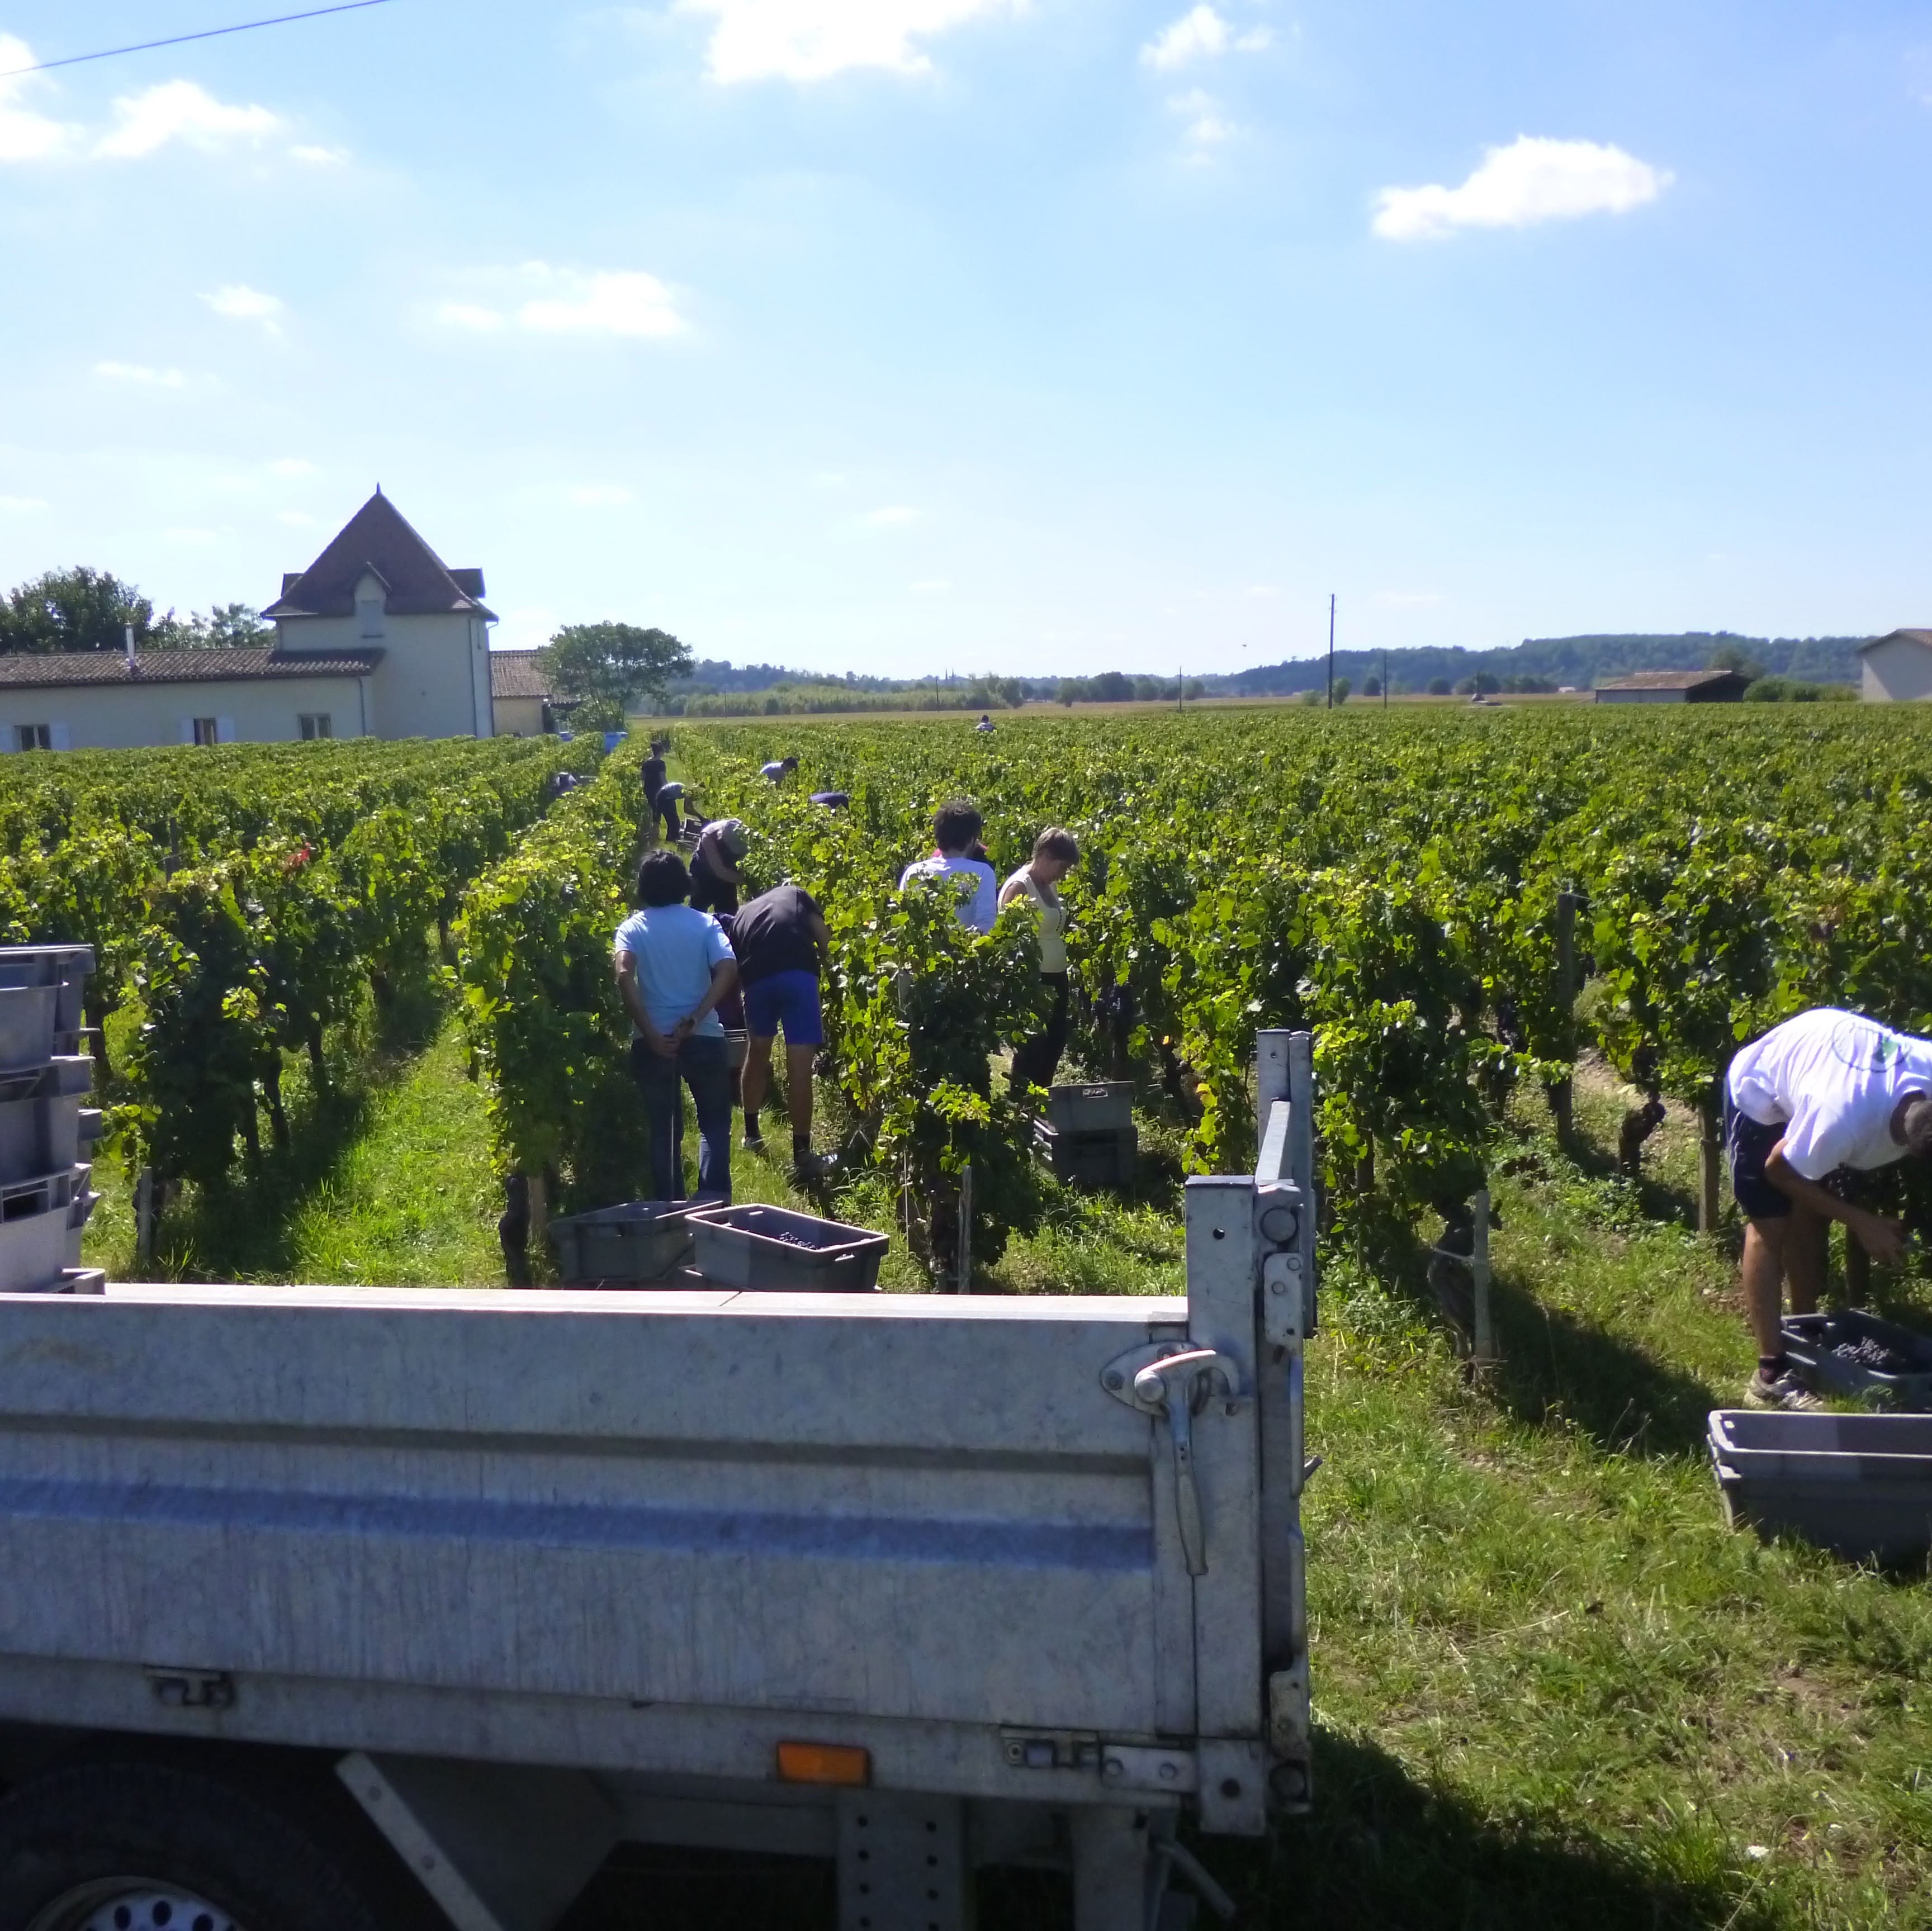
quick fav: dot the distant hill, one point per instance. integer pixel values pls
(1558, 661)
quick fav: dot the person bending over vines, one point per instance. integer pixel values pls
(1823, 1097)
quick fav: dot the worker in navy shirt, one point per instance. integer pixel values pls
(782, 944)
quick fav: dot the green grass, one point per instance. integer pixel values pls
(1552, 1689)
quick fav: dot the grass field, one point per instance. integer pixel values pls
(1552, 1689)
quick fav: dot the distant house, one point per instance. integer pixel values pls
(521, 693)
(375, 638)
(1896, 668)
(1674, 687)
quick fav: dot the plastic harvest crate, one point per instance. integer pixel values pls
(1103, 1106)
(1859, 1484)
(642, 1240)
(1090, 1161)
(1905, 1381)
(772, 1248)
(41, 1224)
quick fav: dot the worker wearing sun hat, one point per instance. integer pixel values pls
(715, 876)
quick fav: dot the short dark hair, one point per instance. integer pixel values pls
(1917, 1123)
(1055, 843)
(662, 879)
(957, 825)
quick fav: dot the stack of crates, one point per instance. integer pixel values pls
(46, 1133)
(1088, 1136)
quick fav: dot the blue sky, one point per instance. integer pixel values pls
(1034, 335)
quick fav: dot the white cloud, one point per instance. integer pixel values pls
(135, 372)
(563, 301)
(295, 519)
(26, 136)
(892, 516)
(240, 303)
(806, 40)
(178, 110)
(601, 495)
(292, 465)
(1200, 35)
(320, 157)
(1532, 180)
(1207, 128)
(12, 505)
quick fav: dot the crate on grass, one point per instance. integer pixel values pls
(641, 1241)
(1859, 1484)
(1852, 1353)
(773, 1248)
(1101, 1106)
(1090, 1161)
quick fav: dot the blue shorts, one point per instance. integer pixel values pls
(786, 999)
(1750, 1144)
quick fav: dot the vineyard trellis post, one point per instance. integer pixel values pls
(1562, 1092)
(1710, 1166)
(144, 1217)
(1483, 1345)
(963, 1282)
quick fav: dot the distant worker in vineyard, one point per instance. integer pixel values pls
(1035, 884)
(715, 876)
(1823, 1097)
(779, 770)
(662, 799)
(673, 965)
(782, 945)
(955, 832)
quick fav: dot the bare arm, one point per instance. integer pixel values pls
(821, 939)
(1009, 892)
(1883, 1240)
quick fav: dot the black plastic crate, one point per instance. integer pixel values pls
(772, 1249)
(1852, 1353)
(1859, 1484)
(642, 1240)
(1101, 1106)
(1090, 1162)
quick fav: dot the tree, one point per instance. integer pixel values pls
(73, 610)
(1342, 689)
(226, 627)
(1439, 687)
(1372, 685)
(1735, 656)
(622, 664)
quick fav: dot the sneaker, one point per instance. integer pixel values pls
(813, 1166)
(1787, 1392)
(752, 1143)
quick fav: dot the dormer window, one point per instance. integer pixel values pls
(369, 600)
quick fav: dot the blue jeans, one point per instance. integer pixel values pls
(701, 1064)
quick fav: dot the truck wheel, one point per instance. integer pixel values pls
(135, 1845)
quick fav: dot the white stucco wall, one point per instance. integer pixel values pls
(1895, 672)
(433, 680)
(124, 717)
(519, 717)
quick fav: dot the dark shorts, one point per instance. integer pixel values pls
(1750, 1145)
(786, 999)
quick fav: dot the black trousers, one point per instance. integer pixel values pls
(1037, 1060)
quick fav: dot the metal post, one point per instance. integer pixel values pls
(964, 1284)
(144, 1217)
(1385, 680)
(1562, 1092)
(1485, 1348)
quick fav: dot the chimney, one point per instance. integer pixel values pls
(129, 633)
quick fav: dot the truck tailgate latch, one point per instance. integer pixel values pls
(1174, 1382)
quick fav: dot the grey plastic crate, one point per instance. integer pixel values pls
(66, 966)
(1090, 1162)
(69, 1281)
(39, 1233)
(1100, 1106)
(772, 1249)
(1859, 1484)
(641, 1241)
(40, 1135)
(28, 1031)
(1813, 1341)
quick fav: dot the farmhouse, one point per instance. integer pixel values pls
(521, 692)
(1674, 687)
(378, 637)
(1896, 668)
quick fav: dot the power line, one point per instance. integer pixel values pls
(178, 39)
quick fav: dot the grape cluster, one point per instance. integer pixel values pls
(1867, 1353)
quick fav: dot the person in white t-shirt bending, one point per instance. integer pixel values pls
(1824, 1095)
(955, 831)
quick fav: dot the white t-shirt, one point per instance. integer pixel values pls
(979, 889)
(1833, 1081)
(675, 948)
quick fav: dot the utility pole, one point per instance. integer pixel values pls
(1385, 680)
(1331, 650)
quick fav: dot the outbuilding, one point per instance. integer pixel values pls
(1674, 687)
(1896, 668)
(521, 694)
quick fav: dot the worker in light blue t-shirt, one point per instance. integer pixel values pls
(955, 831)
(673, 965)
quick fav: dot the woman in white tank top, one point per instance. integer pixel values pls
(1054, 854)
